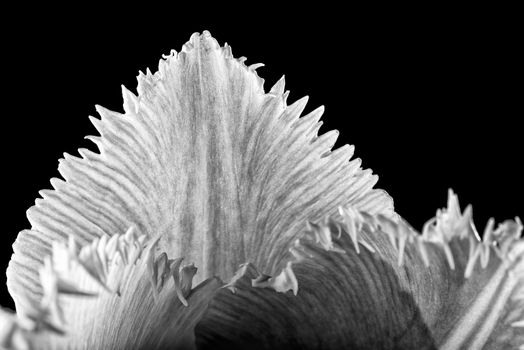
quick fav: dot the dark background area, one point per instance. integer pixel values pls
(430, 99)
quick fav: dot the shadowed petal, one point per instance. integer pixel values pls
(209, 167)
(402, 291)
(344, 301)
(221, 171)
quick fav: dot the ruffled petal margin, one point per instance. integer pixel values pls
(203, 157)
(365, 281)
(354, 280)
(209, 167)
(116, 293)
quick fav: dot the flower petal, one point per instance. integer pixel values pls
(223, 172)
(478, 281)
(344, 300)
(403, 290)
(139, 300)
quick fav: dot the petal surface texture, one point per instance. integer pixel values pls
(221, 171)
(207, 178)
(108, 295)
(402, 290)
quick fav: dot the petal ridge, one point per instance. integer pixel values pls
(202, 156)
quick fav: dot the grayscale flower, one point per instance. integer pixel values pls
(215, 216)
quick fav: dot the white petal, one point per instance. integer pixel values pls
(223, 172)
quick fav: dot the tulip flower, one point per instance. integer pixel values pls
(214, 215)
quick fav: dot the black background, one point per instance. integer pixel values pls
(431, 99)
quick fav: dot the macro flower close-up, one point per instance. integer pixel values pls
(215, 216)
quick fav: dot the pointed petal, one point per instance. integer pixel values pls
(223, 172)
